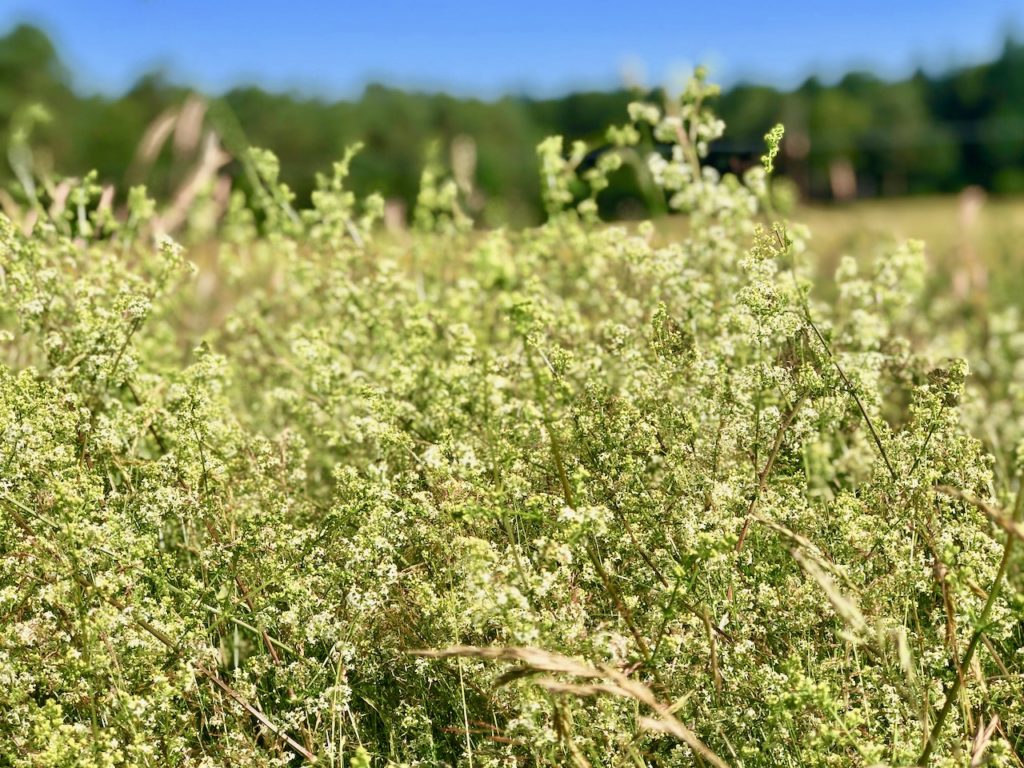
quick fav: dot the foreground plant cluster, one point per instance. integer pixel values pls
(566, 496)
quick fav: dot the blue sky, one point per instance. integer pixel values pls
(489, 47)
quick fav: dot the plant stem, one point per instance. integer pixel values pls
(853, 393)
(762, 480)
(591, 545)
(953, 688)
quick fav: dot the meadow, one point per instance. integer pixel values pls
(736, 488)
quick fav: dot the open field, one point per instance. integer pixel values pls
(983, 240)
(956, 239)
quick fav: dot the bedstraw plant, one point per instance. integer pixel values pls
(574, 495)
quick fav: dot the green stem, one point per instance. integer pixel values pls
(828, 351)
(953, 688)
(591, 545)
(853, 392)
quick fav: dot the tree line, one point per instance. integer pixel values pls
(859, 136)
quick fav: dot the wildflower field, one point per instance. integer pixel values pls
(577, 495)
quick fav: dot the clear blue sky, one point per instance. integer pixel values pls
(333, 47)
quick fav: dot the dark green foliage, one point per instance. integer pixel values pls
(924, 134)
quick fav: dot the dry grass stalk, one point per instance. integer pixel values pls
(982, 739)
(609, 681)
(843, 606)
(1007, 523)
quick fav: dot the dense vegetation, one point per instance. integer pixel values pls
(570, 495)
(862, 135)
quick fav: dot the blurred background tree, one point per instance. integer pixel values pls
(861, 136)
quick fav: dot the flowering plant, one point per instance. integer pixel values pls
(310, 503)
